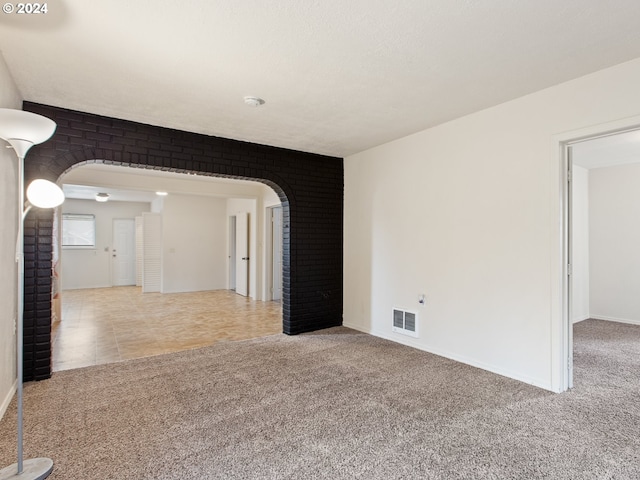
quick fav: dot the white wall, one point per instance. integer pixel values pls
(614, 203)
(9, 98)
(259, 194)
(91, 268)
(468, 213)
(194, 243)
(580, 244)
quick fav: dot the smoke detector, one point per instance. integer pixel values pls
(102, 197)
(253, 101)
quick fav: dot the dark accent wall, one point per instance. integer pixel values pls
(311, 188)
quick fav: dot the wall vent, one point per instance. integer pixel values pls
(405, 322)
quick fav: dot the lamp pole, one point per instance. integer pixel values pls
(23, 130)
(36, 468)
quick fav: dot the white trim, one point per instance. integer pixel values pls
(7, 400)
(407, 341)
(614, 319)
(559, 309)
(582, 319)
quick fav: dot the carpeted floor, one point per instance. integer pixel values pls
(336, 404)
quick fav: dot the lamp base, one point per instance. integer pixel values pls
(32, 469)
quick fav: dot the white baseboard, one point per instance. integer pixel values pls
(7, 399)
(452, 356)
(614, 319)
(581, 319)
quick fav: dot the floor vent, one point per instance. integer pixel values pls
(405, 322)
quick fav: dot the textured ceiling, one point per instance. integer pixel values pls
(338, 76)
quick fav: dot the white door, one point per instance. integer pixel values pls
(276, 242)
(242, 254)
(124, 252)
(232, 253)
(151, 252)
(139, 250)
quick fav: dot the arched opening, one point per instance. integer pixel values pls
(309, 186)
(108, 303)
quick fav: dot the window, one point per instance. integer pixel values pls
(78, 230)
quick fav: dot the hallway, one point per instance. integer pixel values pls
(106, 325)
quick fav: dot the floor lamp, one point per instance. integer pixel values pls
(22, 130)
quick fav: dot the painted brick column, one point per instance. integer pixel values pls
(38, 231)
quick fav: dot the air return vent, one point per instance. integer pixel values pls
(405, 322)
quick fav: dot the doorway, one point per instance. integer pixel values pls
(602, 171)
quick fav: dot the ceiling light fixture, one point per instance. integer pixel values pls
(102, 197)
(162, 194)
(253, 101)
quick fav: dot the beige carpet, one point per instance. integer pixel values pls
(335, 405)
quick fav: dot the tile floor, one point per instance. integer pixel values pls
(105, 325)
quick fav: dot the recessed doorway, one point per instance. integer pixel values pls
(600, 237)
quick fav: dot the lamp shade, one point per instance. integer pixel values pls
(44, 194)
(24, 129)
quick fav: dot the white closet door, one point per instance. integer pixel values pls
(139, 237)
(151, 252)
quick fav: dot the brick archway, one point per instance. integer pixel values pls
(309, 186)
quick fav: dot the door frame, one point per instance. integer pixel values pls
(561, 320)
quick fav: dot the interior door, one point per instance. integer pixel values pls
(242, 253)
(276, 242)
(151, 252)
(232, 252)
(123, 252)
(139, 250)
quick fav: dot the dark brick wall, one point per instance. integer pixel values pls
(311, 189)
(38, 229)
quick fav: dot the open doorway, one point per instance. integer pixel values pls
(193, 305)
(601, 232)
